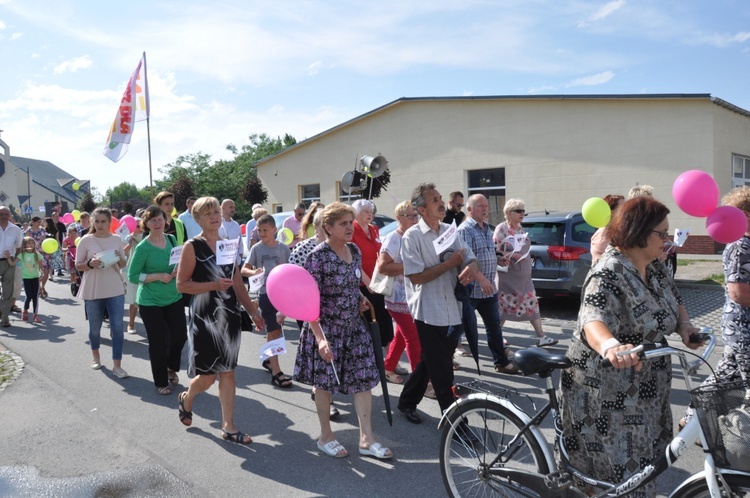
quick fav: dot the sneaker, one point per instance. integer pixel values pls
(546, 341)
(399, 370)
(25, 316)
(131, 330)
(36, 319)
(461, 351)
(120, 373)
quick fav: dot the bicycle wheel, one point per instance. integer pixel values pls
(738, 484)
(477, 434)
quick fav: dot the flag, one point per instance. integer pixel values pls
(134, 107)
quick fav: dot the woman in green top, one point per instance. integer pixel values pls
(159, 303)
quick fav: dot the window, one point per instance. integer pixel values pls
(491, 184)
(740, 171)
(309, 194)
(582, 232)
(345, 196)
(277, 208)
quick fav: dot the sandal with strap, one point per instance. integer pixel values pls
(281, 380)
(267, 365)
(236, 437)
(186, 417)
(164, 391)
(173, 377)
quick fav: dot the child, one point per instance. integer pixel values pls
(31, 264)
(132, 289)
(263, 258)
(69, 248)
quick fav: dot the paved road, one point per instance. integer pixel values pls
(70, 431)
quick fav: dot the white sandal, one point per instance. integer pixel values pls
(376, 450)
(333, 448)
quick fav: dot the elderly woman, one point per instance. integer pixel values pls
(599, 241)
(367, 238)
(391, 264)
(735, 322)
(516, 292)
(101, 256)
(617, 420)
(335, 353)
(215, 320)
(160, 304)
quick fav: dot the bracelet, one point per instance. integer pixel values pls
(88, 263)
(607, 345)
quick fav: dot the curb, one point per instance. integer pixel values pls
(689, 284)
(16, 365)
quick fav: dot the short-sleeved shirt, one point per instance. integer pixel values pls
(31, 263)
(192, 227)
(434, 302)
(100, 283)
(231, 230)
(301, 251)
(479, 239)
(268, 258)
(735, 322)
(292, 224)
(10, 239)
(392, 247)
(368, 246)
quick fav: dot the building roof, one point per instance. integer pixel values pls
(402, 100)
(51, 177)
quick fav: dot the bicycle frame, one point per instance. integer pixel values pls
(536, 484)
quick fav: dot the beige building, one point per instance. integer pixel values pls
(552, 151)
(32, 186)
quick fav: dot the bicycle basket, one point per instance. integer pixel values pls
(724, 415)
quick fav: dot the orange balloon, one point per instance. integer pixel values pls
(114, 224)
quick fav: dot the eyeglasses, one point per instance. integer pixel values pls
(459, 206)
(410, 216)
(519, 211)
(662, 235)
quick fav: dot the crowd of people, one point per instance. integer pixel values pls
(433, 299)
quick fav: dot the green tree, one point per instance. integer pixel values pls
(124, 192)
(87, 203)
(253, 191)
(182, 189)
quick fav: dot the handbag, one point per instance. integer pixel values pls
(381, 284)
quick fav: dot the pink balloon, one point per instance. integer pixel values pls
(294, 292)
(67, 218)
(696, 193)
(129, 222)
(726, 224)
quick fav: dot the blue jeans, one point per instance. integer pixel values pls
(489, 310)
(115, 308)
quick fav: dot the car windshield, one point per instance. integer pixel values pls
(545, 233)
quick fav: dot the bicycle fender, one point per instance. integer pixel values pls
(701, 476)
(535, 431)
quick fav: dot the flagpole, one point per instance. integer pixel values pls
(148, 125)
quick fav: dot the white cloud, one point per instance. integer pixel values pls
(592, 80)
(314, 68)
(2, 24)
(721, 40)
(74, 64)
(603, 12)
(15, 36)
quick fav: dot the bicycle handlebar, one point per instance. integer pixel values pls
(647, 351)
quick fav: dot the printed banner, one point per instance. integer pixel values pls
(446, 240)
(134, 106)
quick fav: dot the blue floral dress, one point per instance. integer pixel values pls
(345, 330)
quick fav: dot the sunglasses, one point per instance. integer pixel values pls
(519, 211)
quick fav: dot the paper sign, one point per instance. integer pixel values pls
(41, 209)
(256, 281)
(107, 258)
(174, 255)
(123, 231)
(272, 348)
(446, 240)
(680, 236)
(226, 251)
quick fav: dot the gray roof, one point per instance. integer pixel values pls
(52, 178)
(635, 96)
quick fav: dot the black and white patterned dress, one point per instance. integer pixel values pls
(214, 330)
(617, 421)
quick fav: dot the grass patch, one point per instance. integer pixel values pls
(715, 279)
(688, 262)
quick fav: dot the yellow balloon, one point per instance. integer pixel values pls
(76, 214)
(285, 236)
(76, 186)
(78, 239)
(50, 246)
(596, 212)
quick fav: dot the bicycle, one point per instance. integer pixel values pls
(491, 447)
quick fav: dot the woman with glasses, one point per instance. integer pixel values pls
(391, 264)
(518, 302)
(617, 420)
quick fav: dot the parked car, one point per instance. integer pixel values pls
(378, 220)
(560, 252)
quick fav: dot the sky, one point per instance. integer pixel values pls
(220, 71)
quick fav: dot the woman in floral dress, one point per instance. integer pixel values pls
(335, 353)
(518, 302)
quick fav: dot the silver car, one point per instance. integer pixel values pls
(560, 252)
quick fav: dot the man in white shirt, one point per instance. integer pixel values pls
(230, 229)
(11, 239)
(191, 226)
(294, 223)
